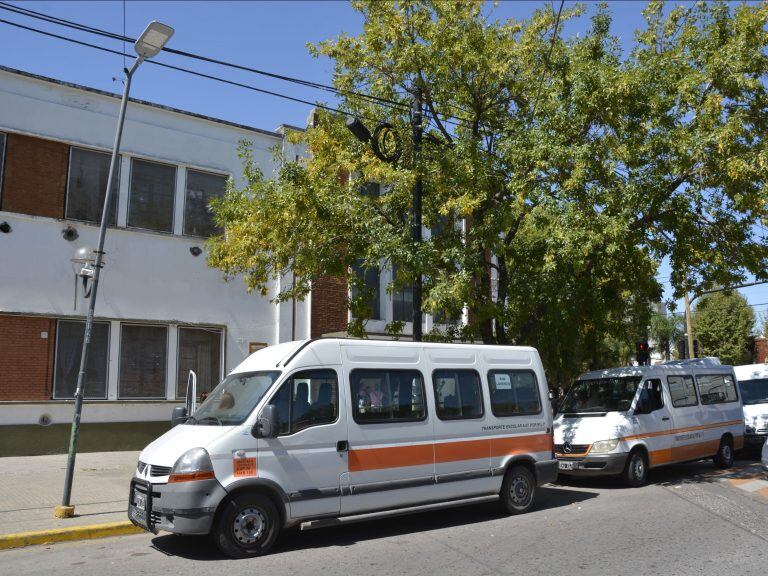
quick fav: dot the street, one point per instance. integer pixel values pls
(690, 519)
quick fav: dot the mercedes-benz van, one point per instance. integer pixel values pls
(753, 384)
(329, 431)
(624, 421)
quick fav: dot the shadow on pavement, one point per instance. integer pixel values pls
(203, 548)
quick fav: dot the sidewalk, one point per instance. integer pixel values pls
(31, 486)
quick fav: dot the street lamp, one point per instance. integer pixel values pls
(149, 44)
(385, 144)
(84, 266)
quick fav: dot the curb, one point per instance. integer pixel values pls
(86, 532)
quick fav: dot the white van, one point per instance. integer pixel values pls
(329, 431)
(624, 421)
(753, 384)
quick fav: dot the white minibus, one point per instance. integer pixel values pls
(624, 421)
(753, 384)
(329, 431)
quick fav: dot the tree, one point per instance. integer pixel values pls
(723, 324)
(665, 329)
(573, 168)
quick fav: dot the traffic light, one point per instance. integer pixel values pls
(643, 352)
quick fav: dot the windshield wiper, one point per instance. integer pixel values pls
(213, 418)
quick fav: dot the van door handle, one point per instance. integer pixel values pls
(665, 418)
(342, 446)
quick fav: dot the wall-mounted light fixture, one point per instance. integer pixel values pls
(70, 234)
(195, 251)
(5, 228)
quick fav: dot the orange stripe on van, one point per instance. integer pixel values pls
(390, 457)
(684, 453)
(441, 452)
(681, 430)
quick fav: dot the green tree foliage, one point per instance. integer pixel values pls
(665, 330)
(723, 324)
(573, 168)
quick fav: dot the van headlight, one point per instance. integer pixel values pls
(194, 464)
(604, 446)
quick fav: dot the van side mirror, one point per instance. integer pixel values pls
(267, 424)
(179, 415)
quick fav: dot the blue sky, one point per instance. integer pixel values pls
(268, 35)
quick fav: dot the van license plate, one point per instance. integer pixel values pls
(139, 500)
(564, 465)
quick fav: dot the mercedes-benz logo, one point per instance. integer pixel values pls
(567, 448)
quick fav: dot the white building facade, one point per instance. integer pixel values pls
(160, 310)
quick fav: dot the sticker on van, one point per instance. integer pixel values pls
(503, 381)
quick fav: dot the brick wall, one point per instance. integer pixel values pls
(26, 359)
(35, 176)
(330, 301)
(761, 350)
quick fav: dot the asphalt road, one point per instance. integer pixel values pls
(688, 521)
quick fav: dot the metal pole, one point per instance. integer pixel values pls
(688, 328)
(65, 510)
(418, 129)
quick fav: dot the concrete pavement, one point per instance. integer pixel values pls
(30, 487)
(690, 521)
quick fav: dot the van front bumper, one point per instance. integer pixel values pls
(593, 465)
(181, 507)
(752, 441)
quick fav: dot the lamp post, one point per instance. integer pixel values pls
(386, 146)
(149, 44)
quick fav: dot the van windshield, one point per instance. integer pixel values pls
(234, 399)
(601, 395)
(754, 391)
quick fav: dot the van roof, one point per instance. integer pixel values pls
(657, 370)
(280, 355)
(751, 371)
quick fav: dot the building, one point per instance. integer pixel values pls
(161, 310)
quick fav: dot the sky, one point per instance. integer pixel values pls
(269, 35)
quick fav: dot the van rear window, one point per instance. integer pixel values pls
(387, 396)
(717, 388)
(513, 392)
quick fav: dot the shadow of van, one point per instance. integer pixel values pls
(203, 548)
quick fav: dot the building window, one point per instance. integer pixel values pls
(199, 350)
(513, 392)
(402, 301)
(717, 388)
(151, 198)
(370, 278)
(202, 187)
(387, 396)
(87, 184)
(682, 391)
(2, 159)
(143, 361)
(457, 394)
(69, 347)
(370, 189)
(307, 399)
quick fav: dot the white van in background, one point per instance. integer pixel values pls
(753, 383)
(329, 431)
(623, 421)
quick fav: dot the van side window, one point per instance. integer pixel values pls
(717, 388)
(387, 396)
(457, 394)
(682, 391)
(651, 397)
(513, 392)
(307, 399)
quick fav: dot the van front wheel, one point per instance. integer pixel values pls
(724, 456)
(247, 526)
(636, 469)
(518, 490)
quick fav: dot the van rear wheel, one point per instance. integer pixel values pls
(246, 526)
(724, 456)
(636, 470)
(518, 491)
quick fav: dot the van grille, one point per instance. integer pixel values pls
(156, 471)
(576, 450)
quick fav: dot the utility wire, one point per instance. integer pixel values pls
(177, 68)
(549, 56)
